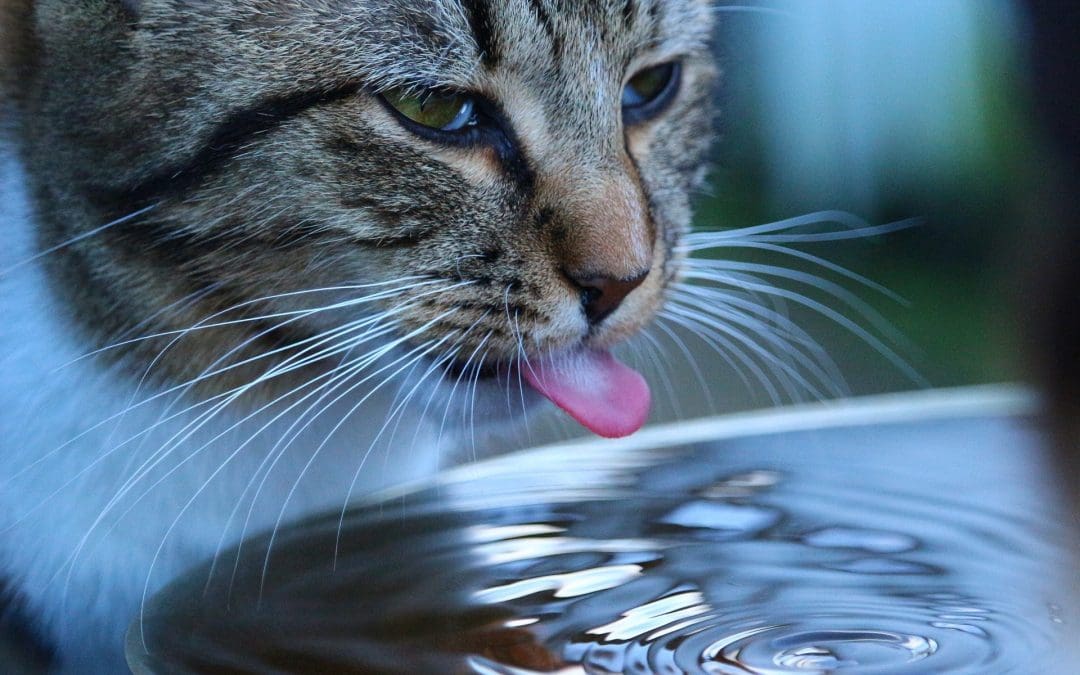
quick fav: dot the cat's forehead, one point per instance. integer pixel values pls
(554, 32)
(450, 43)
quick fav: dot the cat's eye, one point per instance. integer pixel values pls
(649, 91)
(439, 111)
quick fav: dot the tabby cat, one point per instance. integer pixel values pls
(262, 256)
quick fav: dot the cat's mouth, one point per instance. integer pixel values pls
(600, 392)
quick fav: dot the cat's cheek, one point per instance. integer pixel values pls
(639, 141)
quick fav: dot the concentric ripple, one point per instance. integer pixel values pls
(911, 547)
(822, 650)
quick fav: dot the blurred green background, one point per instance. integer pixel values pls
(888, 110)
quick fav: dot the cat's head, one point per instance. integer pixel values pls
(498, 180)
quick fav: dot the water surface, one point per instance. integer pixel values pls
(918, 536)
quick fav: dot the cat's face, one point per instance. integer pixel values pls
(506, 178)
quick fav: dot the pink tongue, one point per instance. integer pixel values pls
(606, 396)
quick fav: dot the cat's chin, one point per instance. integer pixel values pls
(498, 404)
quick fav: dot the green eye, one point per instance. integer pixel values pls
(434, 110)
(649, 90)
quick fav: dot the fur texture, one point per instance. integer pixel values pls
(208, 208)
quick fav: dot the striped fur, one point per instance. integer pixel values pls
(241, 155)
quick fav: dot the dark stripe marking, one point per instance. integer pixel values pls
(227, 138)
(510, 151)
(654, 20)
(629, 13)
(483, 30)
(542, 16)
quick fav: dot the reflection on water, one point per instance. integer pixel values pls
(926, 545)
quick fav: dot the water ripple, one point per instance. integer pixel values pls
(906, 548)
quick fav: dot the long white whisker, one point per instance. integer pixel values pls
(651, 351)
(722, 348)
(775, 320)
(814, 359)
(222, 465)
(181, 388)
(836, 317)
(370, 358)
(832, 289)
(396, 412)
(194, 426)
(76, 239)
(690, 360)
(412, 356)
(293, 364)
(705, 313)
(207, 323)
(856, 228)
(802, 255)
(222, 399)
(724, 335)
(435, 391)
(341, 374)
(472, 398)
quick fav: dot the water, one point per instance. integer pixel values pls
(882, 539)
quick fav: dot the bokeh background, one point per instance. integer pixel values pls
(889, 111)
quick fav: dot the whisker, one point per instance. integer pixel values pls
(521, 355)
(472, 400)
(834, 316)
(802, 255)
(728, 337)
(162, 419)
(835, 290)
(690, 360)
(176, 440)
(240, 499)
(785, 348)
(446, 370)
(413, 355)
(773, 324)
(78, 238)
(754, 9)
(721, 349)
(779, 232)
(443, 361)
(359, 365)
(655, 354)
(203, 325)
(181, 388)
(774, 353)
(370, 358)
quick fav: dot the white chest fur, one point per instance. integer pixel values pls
(99, 506)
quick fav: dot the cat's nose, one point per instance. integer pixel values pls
(602, 236)
(600, 296)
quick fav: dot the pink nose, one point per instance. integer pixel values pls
(600, 296)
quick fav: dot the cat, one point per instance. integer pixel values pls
(262, 257)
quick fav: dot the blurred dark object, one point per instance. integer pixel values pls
(1055, 295)
(21, 652)
(1055, 26)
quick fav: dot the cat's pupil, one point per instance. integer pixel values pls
(434, 110)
